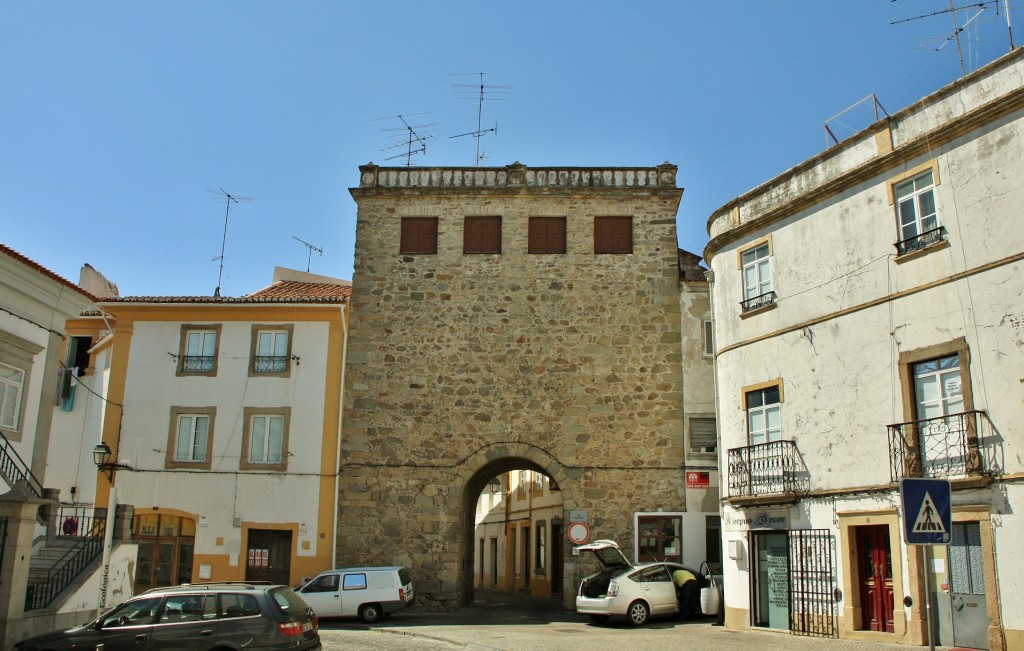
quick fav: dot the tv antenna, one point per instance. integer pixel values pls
(957, 28)
(414, 143)
(311, 249)
(228, 199)
(482, 92)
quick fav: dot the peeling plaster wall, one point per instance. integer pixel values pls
(847, 308)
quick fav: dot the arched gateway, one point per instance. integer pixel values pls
(507, 318)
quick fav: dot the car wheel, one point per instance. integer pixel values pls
(370, 613)
(599, 619)
(638, 613)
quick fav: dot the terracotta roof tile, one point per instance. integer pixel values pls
(43, 270)
(285, 291)
(294, 289)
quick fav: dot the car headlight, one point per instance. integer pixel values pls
(613, 589)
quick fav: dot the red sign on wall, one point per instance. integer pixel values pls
(698, 479)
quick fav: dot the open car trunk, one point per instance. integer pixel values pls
(596, 586)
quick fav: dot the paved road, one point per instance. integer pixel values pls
(497, 623)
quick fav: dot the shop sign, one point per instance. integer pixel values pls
(696, 479)
(756, 520)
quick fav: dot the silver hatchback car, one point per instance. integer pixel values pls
(637, 592)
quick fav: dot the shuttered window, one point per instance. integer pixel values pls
(481, 235)
(613, 234)
(703, 436)
(547, 235)
(419, 235)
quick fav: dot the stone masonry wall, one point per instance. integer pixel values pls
(458, 364)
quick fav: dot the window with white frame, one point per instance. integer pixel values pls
(917, 217)
(709, 338)
(198, 350)
(12, 381)
(937, 388)
(764, 417)
(265, 437)
(271, 350)
(190, 437)
(757, 277)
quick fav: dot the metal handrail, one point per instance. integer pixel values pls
(15, 470)
(40, 593)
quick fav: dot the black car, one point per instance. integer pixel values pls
(203, 616)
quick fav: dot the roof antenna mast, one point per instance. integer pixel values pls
(414, 143)
(484, 92)
(228, 198)
(311, 249)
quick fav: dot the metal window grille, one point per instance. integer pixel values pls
(812, 583)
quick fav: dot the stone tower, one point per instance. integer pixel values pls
(508, 317)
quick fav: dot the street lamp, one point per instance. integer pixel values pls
(101, 457)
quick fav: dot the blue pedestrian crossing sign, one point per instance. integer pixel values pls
(927, 517)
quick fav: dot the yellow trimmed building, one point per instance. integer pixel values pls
(222, 417)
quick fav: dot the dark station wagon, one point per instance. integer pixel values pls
(200, 617)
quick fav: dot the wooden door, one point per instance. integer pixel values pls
(269, 556)
(875, 576)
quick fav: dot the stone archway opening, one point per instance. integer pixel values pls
(513, 532)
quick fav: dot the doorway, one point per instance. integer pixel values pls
(269, 556)
(771, 580)
(968, 604)
(557, 560)
(875, 578)
(166, 546)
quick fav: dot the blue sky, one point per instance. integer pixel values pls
(119, 118)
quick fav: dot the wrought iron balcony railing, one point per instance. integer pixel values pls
(193, 364)
(921, 241)
(959, 445)
(763, 469)
(768, 298)
(266, 364)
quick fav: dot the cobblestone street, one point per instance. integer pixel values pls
(499, 622)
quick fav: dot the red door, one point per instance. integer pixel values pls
(876, 599)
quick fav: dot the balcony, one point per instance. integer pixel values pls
(764, 300)
(959, 446)
(767, 473)
(921, 241)
(195, 364)
(269, 364)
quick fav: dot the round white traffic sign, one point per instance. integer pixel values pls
(578, 533)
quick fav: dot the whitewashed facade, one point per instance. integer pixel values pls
(223, 419)
(869, 325)
(35, 305)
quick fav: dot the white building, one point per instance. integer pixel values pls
(35, 305)
(222, 417)
(869, 327)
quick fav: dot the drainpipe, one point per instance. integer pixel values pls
(710, 275)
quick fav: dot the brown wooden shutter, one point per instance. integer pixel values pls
(613, 234)
(481, 235)
(419, 235)
(547, 235)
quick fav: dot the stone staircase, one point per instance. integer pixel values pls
(64, 561)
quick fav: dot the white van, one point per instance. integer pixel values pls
(368, 592)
